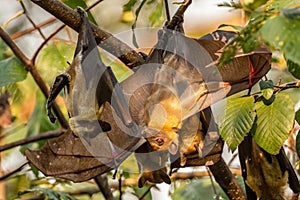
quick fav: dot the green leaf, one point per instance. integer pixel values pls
(294, 68)
(283, 33)
(274, 123)
(11, 71)
(74, 3)
(157, 16)
(266, 84)
(238, 120)
(267, 88)
(267, 93)
(129, 5)
(53, 59)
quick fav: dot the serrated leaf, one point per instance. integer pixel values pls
(294, 68)
(267, 93)
(283, 33)
(11, 71)
(274, 123)
(238, 120)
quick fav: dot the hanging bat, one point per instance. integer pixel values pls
(88, 84)
(189, 92)
(90, 87)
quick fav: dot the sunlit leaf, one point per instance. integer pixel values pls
(267, 88)
(238, 120)
(54, 58)
(283, 33)
(274, 123)
(11, 71)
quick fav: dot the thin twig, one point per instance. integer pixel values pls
(13, 172)
(41, 136)
(93, 5)
(31, 21)
(102, 183)
(55, 32)
(45, 42)
(167, 10)
(146, 192)
(120, 184)
(113, 45)
(31, 29)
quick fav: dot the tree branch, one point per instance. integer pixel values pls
(226, 180)
(71, 18)
(35, 74)
(102, 183)
(45, 135)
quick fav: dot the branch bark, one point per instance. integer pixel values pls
(42, 136)
(227, 181)
(71, 18)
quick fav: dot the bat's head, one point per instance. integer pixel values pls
(162, 122)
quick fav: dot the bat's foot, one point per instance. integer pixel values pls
(156, 176)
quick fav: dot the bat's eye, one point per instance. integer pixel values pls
(159, 141)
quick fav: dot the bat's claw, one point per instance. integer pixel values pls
(156, 176)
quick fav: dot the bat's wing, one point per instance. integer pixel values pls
(67, 156)
(245, 69)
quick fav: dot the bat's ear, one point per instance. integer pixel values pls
(173, 147)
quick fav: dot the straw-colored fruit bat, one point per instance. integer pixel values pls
(181, 78)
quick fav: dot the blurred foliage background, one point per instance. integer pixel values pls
(279, 29)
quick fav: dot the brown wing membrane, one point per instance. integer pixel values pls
(67, 156)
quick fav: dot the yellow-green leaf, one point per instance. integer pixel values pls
(238, 120)
(11, 71)
(274, 123)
